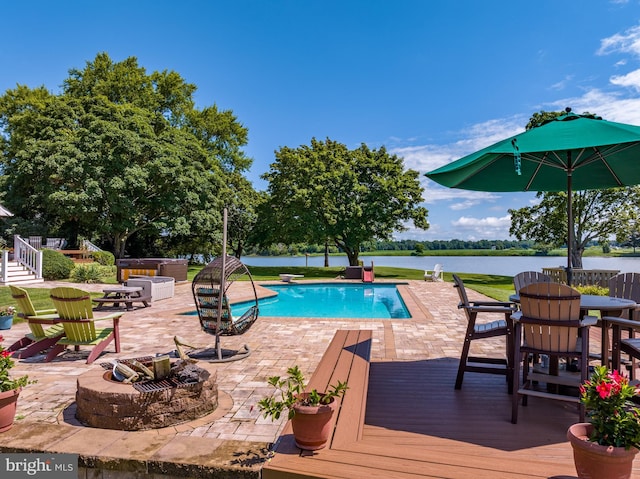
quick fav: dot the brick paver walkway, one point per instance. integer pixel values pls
(276, 344)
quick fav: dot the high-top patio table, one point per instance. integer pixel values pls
(608, 306)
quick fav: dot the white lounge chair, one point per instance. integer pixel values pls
(287, 278)
(434, 274)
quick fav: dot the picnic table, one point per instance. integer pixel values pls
(126, 295)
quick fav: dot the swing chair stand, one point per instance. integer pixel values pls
(210, 354)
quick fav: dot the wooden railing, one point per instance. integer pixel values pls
(582, 277)
(27, 256)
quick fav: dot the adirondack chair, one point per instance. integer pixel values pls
(434, 274)
(492, 329)
(39, 338)
(74, 307)
(550, 320)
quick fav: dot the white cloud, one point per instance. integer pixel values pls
(627, 42)
(562, 83)
(631, 80)
(464, 205)
(490, 227)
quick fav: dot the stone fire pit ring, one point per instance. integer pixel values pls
(104, 403)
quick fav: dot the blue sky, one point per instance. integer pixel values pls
(430, 80)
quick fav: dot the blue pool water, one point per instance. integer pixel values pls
(382, 301)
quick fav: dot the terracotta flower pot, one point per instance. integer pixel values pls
(8, 403)
(594, 461)
(312, 425)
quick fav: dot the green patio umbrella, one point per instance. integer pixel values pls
(570, 152)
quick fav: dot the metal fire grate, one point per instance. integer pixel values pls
(149, 385)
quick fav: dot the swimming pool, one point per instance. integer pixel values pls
(331, 300)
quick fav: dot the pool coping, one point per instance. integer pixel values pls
(412, 303)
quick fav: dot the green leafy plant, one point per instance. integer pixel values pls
(7, 383)
(55, 265)
(607, 400)
(290, 391)
(105, 258)
(92, 273)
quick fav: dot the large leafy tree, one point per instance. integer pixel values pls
(118, 153)
(597, 214)
(325, 193)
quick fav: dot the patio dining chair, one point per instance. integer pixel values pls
(549, 323)
(39, 338)
(482, 330)
(526, 278)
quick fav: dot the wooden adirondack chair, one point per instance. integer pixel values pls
(434, 274)
(39, 338)
(74, 307)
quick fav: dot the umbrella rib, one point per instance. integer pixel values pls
(535, 173)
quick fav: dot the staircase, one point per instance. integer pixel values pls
(17, 274)
(25, 265)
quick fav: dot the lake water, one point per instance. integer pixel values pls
(505, 265)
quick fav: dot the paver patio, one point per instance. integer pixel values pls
(237, 429)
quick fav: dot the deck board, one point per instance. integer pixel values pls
(418, 426)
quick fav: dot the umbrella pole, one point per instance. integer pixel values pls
(222, 281)
(569, 218)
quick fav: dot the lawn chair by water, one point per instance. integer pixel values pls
(74, 307)
(434, 274)
(39, 338)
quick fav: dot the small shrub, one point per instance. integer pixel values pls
(55, 265)
(593, 289)
(104, 258)
(92, 273)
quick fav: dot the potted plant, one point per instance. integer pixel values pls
(9, 389)
(606, 446)
(6, 317)
(310, 412)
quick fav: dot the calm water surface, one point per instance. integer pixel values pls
(504, 265)
(382, 301)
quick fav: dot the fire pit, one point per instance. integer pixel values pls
(103, 402)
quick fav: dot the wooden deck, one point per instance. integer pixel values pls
(417, 425)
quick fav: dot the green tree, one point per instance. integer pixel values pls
(119, 153)
(324, 192)
(595, 212)
(596, 216)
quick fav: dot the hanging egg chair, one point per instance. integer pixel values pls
(209, 290)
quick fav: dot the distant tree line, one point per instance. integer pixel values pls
(400, 245)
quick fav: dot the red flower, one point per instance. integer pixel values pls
(604, 390)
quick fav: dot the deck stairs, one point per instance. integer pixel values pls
(18, 274)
